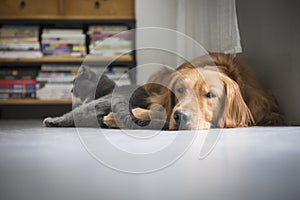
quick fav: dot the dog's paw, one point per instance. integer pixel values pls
(50, 122)
(109, 120)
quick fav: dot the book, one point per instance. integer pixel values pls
(28, 88)
(19, 45)
(19, 31)
(54, 91)
(111, 29)
(64, 36)
(118, 74)
(18, 82)
(109, 40)
(62, 31)
(122, 35)
(63, 42)
(17, 73)
(55, 81)
(20, 54)
(17, 89)
(19, 42)
(60, 68)
(5, 95)
(57, 77)
(62, 49)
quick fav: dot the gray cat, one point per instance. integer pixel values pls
(86, 88)
(99, 99)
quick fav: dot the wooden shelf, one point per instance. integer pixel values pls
(67, 9)
(45, 59)
(61, 17)
(33, 101)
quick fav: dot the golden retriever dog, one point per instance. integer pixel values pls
(212, 91)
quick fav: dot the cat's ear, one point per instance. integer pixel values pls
(84, 72)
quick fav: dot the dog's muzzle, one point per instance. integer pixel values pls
(182, 118)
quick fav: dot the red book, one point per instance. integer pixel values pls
(18, 82)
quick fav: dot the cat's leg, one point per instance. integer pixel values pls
(65, 120)
(86, 115)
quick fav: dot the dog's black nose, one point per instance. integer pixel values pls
(182, 116)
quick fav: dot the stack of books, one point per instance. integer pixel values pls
(118, 74)
(19, 42)
(63, 42)
(55, 81)
(17, 83)
(109, 40)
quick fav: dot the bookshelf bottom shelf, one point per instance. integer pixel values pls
(34, 101)
(33, 109)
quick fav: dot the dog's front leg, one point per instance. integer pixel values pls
(140, 119)
(110, 121)
(141, 113)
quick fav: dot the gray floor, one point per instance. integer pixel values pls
(86, 163)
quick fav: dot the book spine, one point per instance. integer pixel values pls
(18, 82)
(14, 74)
(63, 49)
(17, 95)
(17, 89)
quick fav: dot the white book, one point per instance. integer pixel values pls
(73, 36)
(54, 91)
(106, 29)
(62, 31)
(59, 67)
(20, 54)
(55, 79)
(78, 41)
(20, 46)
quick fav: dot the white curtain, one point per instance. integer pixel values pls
(212, 23)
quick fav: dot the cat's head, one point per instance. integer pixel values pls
(85, 84)
(89, 85)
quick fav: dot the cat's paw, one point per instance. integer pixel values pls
(50, 122)
(110, 121)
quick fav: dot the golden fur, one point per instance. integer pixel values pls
(211, 91)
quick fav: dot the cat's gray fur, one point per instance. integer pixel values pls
(87, 85)
(101, 98)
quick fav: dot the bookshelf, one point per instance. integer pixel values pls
(47, 59)
(63, 14)
(33, 101)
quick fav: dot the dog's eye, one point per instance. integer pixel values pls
(180, 90)
(210, 95)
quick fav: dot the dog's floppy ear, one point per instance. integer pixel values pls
(171, 101)
(160, 90)
(236, 112)
(166, 99)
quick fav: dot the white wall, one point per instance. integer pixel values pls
(154, 13)
(270, 34)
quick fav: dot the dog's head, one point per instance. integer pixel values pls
(201, 98)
